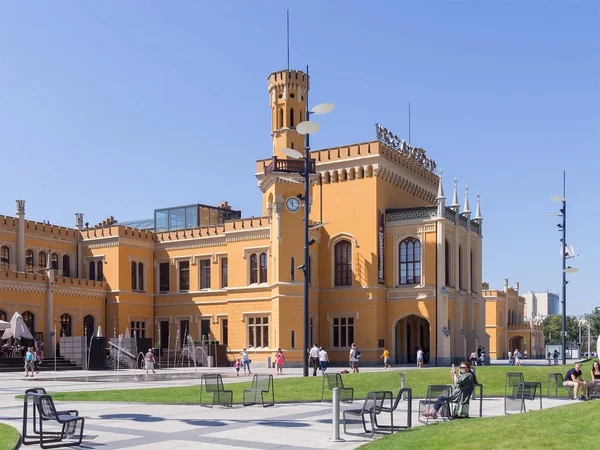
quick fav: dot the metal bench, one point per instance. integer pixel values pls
(45, 411)
(372, 407)
(449, 410)
(517, 390)
(211, 385)
(334, 380)
(404, 393)
(461, 410)
(555, 383)
(262, 385)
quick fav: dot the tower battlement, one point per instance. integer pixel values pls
(284, 77)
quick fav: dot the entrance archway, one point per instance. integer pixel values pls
(411, 333)
(516, 342)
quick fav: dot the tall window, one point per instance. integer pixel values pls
(29, 261)
(461, 283)
(263, 267)
(343, 331)
(293, 270)
(4, 257)
(280, 118)
(447, 263)
(92, 270)
(292, 339)
(291, 117)
(2, 315)
(253, 268)
(54, 263)
(258, 331)
(184, 275)
(42, 260)
(29, 320)
(138, 329)
(134, 276)
(163, 277)
(65, 325)
(141, 276)
(225, 331)
(343, 263)
(66, 266)
(100, 276)
(224, 272)
(205, 274)
(473, 280)
(410, 261)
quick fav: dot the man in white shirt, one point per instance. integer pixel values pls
(314, 358)
(354, 358)
(323, 359)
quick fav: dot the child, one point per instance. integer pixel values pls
(237, 366)
(279, 360)
(29, 367)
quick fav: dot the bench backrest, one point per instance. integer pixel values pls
(46, 407)
(374, 401)
(213, 382)
(334, 380)
(262, 382)
(514, 378)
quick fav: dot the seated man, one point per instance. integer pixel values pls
(573, 379)
(459, 393)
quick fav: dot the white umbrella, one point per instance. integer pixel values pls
(7, 334)
(4, 325)
(18, 328)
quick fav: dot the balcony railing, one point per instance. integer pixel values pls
(289, 166)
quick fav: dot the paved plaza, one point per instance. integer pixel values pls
(133, 426)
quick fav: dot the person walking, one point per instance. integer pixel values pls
(314, 359)
(353, 358)
(245, 361)
(279, 361)
(386, 358)
(150, 361)
(29, 367)
(323, 359)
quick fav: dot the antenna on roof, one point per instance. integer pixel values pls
(408, 123)
(288, 40)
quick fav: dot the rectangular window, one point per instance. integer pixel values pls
(224, 272)
(205, 274)
(184, 276)
(343, 331)
(292, 339)
(163, 276)
(177, 219)
(161, 220)
(225, 331)
(258, 331)
(205, 334)
(138, 329)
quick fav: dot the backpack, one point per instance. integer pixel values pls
(357, 353)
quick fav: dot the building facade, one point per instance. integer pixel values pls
(539, 305)
(390, 264)
(507, 325)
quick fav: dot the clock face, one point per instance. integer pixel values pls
(292, 204)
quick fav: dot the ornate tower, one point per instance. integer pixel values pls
(287, 96)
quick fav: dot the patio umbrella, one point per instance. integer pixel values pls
(4, 325)
(18, 329)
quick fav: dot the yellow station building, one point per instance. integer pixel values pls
(390, 264)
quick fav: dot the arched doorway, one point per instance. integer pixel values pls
(88, 327)
(410, 333)
(516, 342)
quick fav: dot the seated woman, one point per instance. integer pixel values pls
(594, 385)
(464, 384)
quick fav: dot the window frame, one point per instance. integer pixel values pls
(205, 273)
(255, 322)
(134, 274)
(66, 322)
(224, 269)
(4, 257)
(29, 261)
(343, 275)
(180, 273)
(160, 277)
(347, 330)
(410, 264)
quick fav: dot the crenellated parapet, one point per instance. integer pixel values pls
(231, 226)
(117, 231)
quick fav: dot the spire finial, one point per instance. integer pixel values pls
(455, 204)
(478, 210)
(440, 195)
(466, 210)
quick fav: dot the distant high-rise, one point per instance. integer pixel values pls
(541, 304)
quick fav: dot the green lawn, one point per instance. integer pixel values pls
(9, 436)
(569, 426)
(309, 389)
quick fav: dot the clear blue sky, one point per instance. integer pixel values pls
(117, 108)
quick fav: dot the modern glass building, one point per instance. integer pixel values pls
(193, 216)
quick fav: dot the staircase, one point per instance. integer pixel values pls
(48, 365)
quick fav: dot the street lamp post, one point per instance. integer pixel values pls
(307, 128)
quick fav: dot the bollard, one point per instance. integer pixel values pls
(335, 420)
(474, 370)
(402, 381)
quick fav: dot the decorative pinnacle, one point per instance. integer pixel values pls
(440, 195)
(466, 209)
(455, 204)
(478, 210)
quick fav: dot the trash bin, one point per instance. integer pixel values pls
(209, 361)
(268, 362)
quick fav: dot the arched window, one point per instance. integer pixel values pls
(461, 283)
(263, 267)
(66, 266)
(293, 270)
(88, 326)
(4, 257)
(29, 320)
(42, 260)
(253, 268)
(291, 117)
(280, 118)
(134, 276)
(343, 263)
(100, 276)
(141, 276)
(29, 261)
(410, 261)
(473, 280)
(54, 263)
(92, 270)
(2, 315)
(447, 263)
(65, 325)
